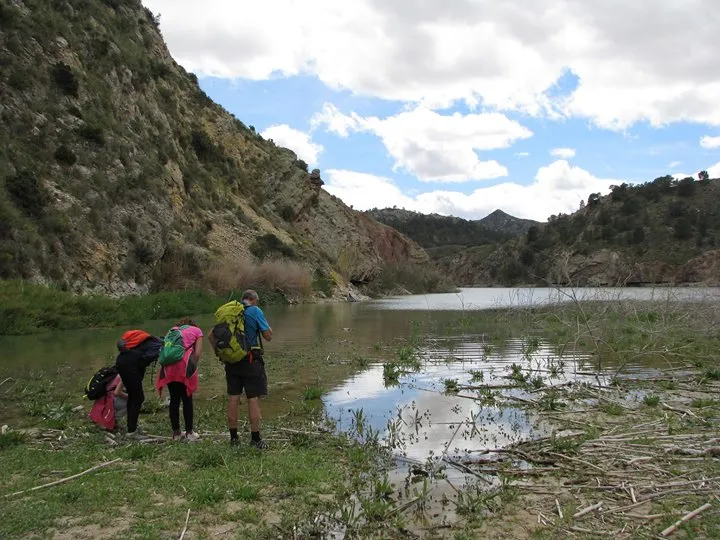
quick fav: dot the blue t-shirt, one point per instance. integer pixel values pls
(255, 322)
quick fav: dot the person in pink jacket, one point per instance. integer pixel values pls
(181, 379)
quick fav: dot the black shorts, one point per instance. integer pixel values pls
(248, 376)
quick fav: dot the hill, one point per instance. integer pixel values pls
(662, 232)
(119, 175)
(434, 230)
(448, 239)
(505, 223)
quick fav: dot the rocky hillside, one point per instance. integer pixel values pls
(118, 174)
(661, 232)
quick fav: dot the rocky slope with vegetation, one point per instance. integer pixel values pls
(119, 175)
(662, 232)
(448, 239)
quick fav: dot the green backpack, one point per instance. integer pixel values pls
(229, 332)
(173, 350)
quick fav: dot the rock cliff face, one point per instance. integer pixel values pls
(604, 267)
(612, 268)
(119, 173)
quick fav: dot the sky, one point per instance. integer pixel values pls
(527, 106)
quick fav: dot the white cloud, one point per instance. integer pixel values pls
(710, 143)
(632, 63)
(522, 154)
(564, 153)
(674, 164)
(432, 146)
(335, 121)
(714, 170)
(297, 141)
(558, 188)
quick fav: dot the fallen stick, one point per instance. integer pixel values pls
(588, 464)
(645, 516)
(560, 513)
(588, 509)
(623, 508)
(687, 517)
(63, 480)
(682, 411)
(187, 519)
(301, 432)
(401, 508)
(465, 468)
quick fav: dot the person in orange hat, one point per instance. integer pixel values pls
(138, 350)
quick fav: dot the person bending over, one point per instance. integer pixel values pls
(138, 350)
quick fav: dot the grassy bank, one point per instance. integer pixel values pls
(633, 445)
(26, 308)
(286, 491)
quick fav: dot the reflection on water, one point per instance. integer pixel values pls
(444, 411)
(423, 417)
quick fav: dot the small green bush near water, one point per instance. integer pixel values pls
(27, 308)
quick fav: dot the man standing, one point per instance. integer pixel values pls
(249, 373)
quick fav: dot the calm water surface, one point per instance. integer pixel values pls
(422, 420)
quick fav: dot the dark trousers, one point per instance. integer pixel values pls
(132, 377)
(178, 393)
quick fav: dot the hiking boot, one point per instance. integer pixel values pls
(234, 443)
(260, 445)
(192, 437)
(136, 435)
(177, 436)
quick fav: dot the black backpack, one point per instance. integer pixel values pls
(96, 386)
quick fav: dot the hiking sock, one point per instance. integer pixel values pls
(233, 434)
(255, 436)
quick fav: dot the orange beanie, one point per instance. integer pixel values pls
(131, 339)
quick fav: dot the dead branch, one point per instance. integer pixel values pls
(588, 509)
(687, 517)
(187, 518)
(63, 480)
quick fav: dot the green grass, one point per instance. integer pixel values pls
(26, 308)
(159, 482)
(154, 484)
(312, 393)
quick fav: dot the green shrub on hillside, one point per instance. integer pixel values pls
(269, 244)
(65, 79)
(27, 192)
(64, 155)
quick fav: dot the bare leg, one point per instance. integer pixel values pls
(232, 411)
(254, 414)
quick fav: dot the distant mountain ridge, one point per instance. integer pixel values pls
(435, 230)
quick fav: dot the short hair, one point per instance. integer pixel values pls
(250, 295)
